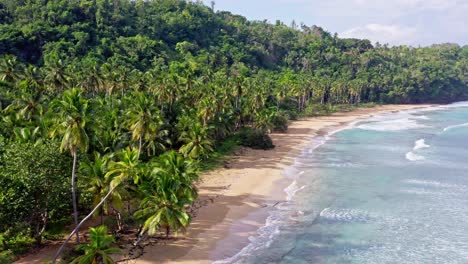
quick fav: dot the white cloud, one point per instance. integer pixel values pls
(413, 4)
(391, 34)
(397, 22)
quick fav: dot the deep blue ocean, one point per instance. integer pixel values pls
(389, 189)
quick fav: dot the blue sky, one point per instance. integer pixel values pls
(397, 22)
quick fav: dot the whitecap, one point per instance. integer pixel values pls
(455, 126)
(419, 144)
(392, 125)
(343, 215)
(430, 183)
(420, 117)
(411, 156)
(420, 191)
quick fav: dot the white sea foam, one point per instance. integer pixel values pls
(430, 183)
(455, 126)
(263, 239)
(292, 189)
(420, 191)
(344, 215)
(420, 117)
(392, 125)
(411, 156)
(267, 233)
(458, 104)
(420, 144)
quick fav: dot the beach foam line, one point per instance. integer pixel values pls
(292, 189)
(263, 239)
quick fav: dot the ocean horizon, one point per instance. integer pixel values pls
(387, 189)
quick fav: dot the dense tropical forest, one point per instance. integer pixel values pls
(128, 101)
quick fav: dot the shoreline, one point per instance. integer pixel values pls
(235, 202)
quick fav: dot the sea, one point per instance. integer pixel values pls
(392, 188)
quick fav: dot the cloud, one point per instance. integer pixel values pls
(413, 4)
(397, 22)
(391, 34)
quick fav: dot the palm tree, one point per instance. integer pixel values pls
(28, 134)
(144, 119)
(56, 74)
(71, 114)
(34, 79)
(128, 167)
(92, 80)
(10, 69)
(196, 142)
(168, 194)
(28, 107)
(264, 120)
(99, 248)
(94, 174)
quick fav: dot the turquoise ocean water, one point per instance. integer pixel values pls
(389, 189)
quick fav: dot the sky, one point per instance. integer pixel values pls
(396, 22)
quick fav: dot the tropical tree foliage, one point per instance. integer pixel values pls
(99, 249)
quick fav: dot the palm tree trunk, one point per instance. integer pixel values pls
(140, 145)
(59, 252)
(75, 205)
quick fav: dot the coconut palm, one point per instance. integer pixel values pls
(99, 248)
(28, 107)
(144, 119)
(71, 116)
(168, 194)
(128, 167)
(56, 75)
(33, 79)
(197, 144)
(94, 175)
(10, 69)
(28, 134)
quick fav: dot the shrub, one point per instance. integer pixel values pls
(6, 257)
(280, 122)
(256, 139)
(18, 243)
(32, 186)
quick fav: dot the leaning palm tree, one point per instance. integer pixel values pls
(94, 174)
(71, 114)
(99, 248)
(128, 167)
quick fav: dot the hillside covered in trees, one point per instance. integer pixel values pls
(126, 98)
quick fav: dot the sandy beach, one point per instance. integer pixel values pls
(234, 201)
